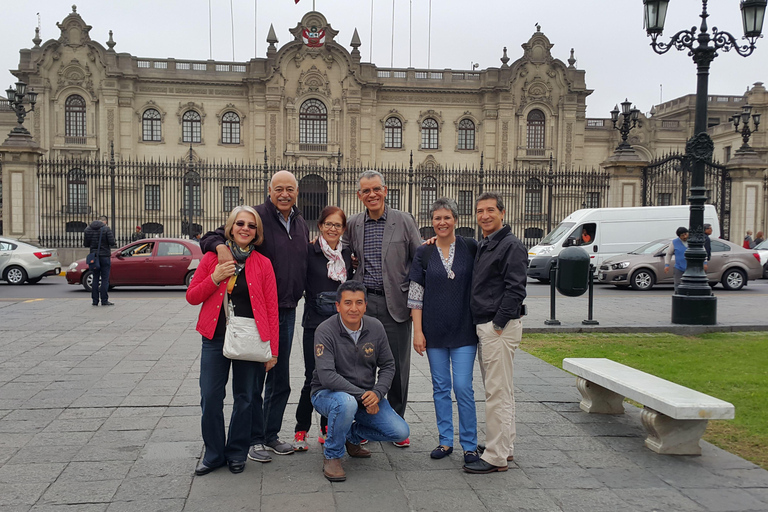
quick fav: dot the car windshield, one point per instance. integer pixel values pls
(557, 233)
(651, 248)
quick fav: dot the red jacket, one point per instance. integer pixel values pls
(261, 285)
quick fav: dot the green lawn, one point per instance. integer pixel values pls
(729, 366)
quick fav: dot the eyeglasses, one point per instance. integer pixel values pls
(375, 190)
(241, 223)
(332, 225)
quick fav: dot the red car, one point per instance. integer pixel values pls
(147, 262)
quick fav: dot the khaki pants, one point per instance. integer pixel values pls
(497, 356)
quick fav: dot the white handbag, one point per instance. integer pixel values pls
(242, 340)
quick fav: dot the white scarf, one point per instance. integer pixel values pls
(337, 270)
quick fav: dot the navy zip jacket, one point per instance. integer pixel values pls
(91, 238)
(287, 251)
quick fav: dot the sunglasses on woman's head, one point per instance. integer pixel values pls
(241, 223)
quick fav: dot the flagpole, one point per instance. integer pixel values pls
(392, 52)
(410, 34)
(255, 29)
(232, 23)
(210, 33)
(370, 50)
(429, 38)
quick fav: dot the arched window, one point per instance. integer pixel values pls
(428, 195)
(313, 123)
(393, 133)
(150, 122)
(230, 128)
(191, 127)
(466, 134)
(74, 116)
(536, 121)
(533, 196)
(77, 192)
(429, 134)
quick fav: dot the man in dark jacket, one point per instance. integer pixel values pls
(97, 232)
(349, 349)
(498, 291)
(286, 236)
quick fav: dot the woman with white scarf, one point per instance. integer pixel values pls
(328, 265)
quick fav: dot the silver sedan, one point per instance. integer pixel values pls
(26, 262)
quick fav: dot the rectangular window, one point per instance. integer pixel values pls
(592, 200)
(727, 154)
(393, 198)
(231, 198)
(196, 209)
(151, 197)
(664, 199)
(465, 202)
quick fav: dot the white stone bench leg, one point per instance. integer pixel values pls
(597, 399)
(670, 436)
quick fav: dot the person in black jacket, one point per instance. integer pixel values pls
(98, 230)
(498, 291)
(285, 244)
(328, 265)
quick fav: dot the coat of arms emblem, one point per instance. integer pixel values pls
(313, 37)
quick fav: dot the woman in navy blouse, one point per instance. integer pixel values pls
(442, 326)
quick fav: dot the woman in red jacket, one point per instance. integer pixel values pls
(249, 282)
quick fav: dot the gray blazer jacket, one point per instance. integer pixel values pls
(401, 239)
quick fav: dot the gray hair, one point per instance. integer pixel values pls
(448, 204)
(369, 174)
(350, 286)
(491, 195)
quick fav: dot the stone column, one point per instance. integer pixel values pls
(626, 184)
(747, 171)
(20, 154)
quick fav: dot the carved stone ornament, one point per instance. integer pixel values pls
(75, 74)
(74, 31)
(313, 31)
(190, 105)
(537, 49)
(700, 147)
(149, 104)
(313, 81)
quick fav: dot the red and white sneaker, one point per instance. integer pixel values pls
(300, 441)
(403, 444)
(323, 435)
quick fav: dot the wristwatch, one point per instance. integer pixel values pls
(497, 327)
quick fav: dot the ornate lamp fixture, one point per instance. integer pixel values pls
(694, 303)
(746, 132)
(15, 100)
(628, 121)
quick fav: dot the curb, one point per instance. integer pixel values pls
(683, 330)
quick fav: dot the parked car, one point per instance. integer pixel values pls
(147, 262)
(731, 265)
(762, 251)
(26, 262)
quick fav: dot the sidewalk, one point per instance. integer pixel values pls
(99, 411)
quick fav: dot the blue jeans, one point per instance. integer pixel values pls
(462, 360)
(214, 373)
(348, 421)
(100, 284)
(267, 422)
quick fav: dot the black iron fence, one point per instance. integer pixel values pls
(187, 197)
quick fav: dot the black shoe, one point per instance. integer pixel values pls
(481, 467)
(94, 304)
(236, 466)
(107, 303)
(203, 469)
(441, 452)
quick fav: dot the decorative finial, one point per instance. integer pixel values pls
(571, 60)
(37, 39)
(538, 27)
(505, 59)
(111, 43)
(74, 8)
(271, 36)
(355, 40)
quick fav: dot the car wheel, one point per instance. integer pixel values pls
(188, 278)
(34, 280)
(15, 275)
(642, 279)
(87, 280)
(734, 279)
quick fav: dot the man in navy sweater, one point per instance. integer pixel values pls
(286, 236)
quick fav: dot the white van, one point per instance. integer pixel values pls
(606, 232)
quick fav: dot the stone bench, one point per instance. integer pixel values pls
(674, 416)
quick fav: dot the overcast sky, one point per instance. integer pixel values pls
(607, 36)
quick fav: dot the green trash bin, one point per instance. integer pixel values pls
(573, 272)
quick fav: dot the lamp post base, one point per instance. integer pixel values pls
(694, 310)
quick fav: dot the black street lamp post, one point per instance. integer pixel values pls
(694, 303)
(15, 100)
(628, 121)
(746, 132)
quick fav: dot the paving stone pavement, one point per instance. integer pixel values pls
(99, 411)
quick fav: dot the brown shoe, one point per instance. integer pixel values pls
(510, 458)
(333, 471)
(357, 451)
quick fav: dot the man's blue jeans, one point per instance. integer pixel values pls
(100, 285)
(348, 421)
(266, 424)
(462, 361)
(214, 373)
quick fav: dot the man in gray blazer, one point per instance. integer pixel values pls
(384, 241)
